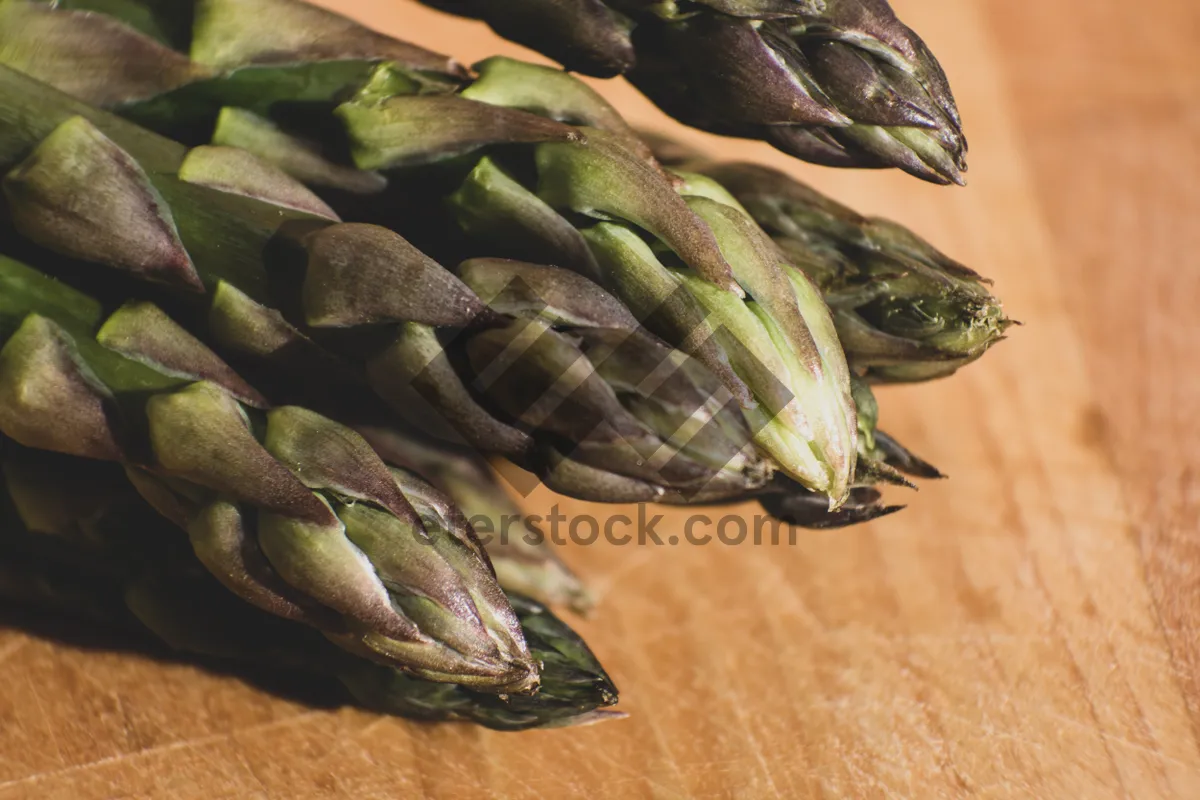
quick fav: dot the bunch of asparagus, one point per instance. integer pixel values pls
(222, 250)
(76, 539)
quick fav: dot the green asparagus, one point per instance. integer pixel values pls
(777, 354)
(904, 311)
(524, 562)
(837, 82)
(75, 540)
(293, 512)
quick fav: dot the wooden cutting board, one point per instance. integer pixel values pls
(1029, 628)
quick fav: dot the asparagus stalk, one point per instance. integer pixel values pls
(837, 82)
(904, 311)
(75, 540)
(524, 562)
(882, 460)
(290, 510)
(782, 349)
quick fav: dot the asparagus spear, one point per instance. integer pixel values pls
(75, 540)
(904, 311)
(882, 460)
(524, 562)
(837, 82)
(782, 348)
(292, 511)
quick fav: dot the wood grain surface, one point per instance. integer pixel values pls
(1029, 628)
